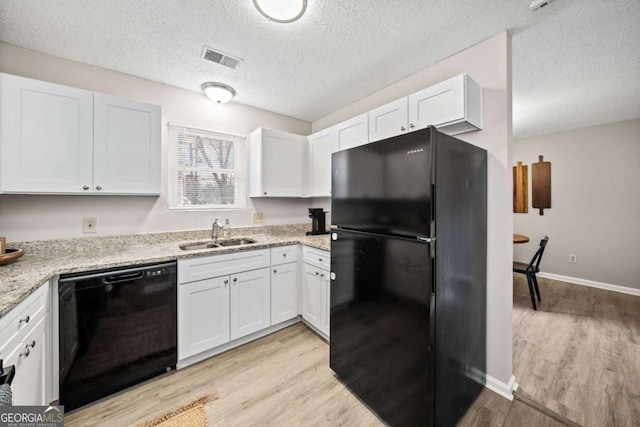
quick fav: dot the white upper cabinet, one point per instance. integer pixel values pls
(388, 120)
(353, 132)
(278, 164)
(454, 106)
(322, 145)
(59, 139)
(46, 137)
(126, 146)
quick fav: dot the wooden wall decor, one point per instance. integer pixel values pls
(520, 188)
(541, 185)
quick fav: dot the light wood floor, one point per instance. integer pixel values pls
(280, 380)
(579, 354)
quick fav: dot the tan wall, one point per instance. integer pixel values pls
(595, 203)
(489, 63)
(45, 217)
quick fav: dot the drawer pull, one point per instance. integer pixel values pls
(320, 260)
(317, 273)
(25, 320)
(27, 349)
(275, 271)
(322, 275)
(235, 279)
(284, 254)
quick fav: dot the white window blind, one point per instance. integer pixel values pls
(206, 169)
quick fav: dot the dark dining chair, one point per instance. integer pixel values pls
(531, 269)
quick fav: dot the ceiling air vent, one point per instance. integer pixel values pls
(220, 58)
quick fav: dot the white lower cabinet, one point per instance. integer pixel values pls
(203, 315)
(316, 298)
(220, 301)
(250, 302)
(29, 359)
(284, 292)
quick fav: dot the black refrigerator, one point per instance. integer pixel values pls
(408, 276)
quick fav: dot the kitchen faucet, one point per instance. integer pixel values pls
(215, 230)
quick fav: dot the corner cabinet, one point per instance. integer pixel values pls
(322, 145)
(284, 283)
(63, 140)
(278, 164)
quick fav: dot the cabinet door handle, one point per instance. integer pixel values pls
(402, 128)
(284, 254)
(33, 344)
(275, 271)
(320, 259)
(226, 281)
(265, 193)
(98, 187)
(25, 320)
(322, 275)
(317, 273)
(411, 125)
(85, 187)
(25, 353)
(235, 279)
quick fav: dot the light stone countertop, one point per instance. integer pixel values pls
(47, 258)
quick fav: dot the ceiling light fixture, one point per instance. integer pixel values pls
(218, 92)
(280, 10)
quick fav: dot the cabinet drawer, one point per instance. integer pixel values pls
(193, 269)
(284, 254)
(316, 257)
(19, 321)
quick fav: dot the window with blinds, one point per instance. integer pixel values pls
(206, 169)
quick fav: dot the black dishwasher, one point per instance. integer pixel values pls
(117, 328)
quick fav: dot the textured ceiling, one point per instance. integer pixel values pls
(339, 52)
(578, 68)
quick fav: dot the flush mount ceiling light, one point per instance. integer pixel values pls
(282, 11)
(218, 92)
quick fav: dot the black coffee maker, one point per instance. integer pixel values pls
(318, 221)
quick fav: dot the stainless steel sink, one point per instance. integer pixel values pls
(198, 245)
(236, 242)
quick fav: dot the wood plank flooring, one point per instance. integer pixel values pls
(280, 380)
(579, 354)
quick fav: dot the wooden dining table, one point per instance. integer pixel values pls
(519, 238)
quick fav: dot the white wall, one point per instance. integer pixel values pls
(46, 217)
(595, 203)
(489, 63)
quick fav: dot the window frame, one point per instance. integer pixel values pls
(240, 168)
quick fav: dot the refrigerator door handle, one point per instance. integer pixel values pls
(427, 239)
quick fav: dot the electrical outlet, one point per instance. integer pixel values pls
(573, 259)
(89, 225)
(257, 218)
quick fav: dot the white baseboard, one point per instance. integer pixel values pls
(503, 389)
(590, 283)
